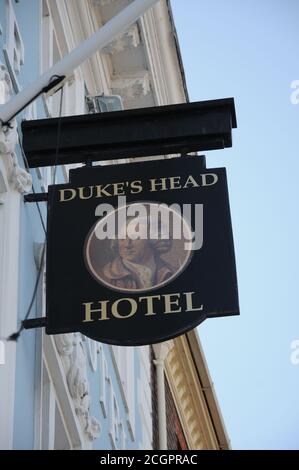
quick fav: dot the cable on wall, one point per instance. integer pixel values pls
(16, 335)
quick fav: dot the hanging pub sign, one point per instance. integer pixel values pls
(139, 253)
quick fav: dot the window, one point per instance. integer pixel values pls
(50, 55)
(14, 48)
(124, 360)
(74, 91)
(54, 434)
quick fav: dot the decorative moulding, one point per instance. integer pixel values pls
(129, 40)
(131, 86)
(71, 350)
(19, 178)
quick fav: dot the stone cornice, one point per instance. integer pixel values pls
(129, 40)
(189, 398)
(131, 86)
(159, 73)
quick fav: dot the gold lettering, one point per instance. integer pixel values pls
(90, 311)
(191, 181)
(116, 313)
(63, 195)
(169, 302)
(81, 192)
(136, 187)
(189, 303)
(102, 191)
(118, 189)
(161, 182)
(175, 182)
(204, 179)
(150, 304)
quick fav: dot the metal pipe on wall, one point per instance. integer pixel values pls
(162, 426)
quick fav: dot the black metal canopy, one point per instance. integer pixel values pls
(182, 128)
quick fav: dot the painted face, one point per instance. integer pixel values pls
(133, 250)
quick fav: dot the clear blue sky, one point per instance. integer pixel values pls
(249, 50)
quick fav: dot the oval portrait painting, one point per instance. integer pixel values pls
(138, 247)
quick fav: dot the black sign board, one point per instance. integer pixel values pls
(161, 130)
(139, 253)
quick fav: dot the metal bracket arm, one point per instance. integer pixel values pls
(36, 197)
(34, 323)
